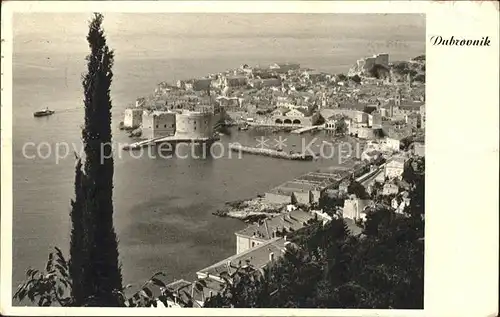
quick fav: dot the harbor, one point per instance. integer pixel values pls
(306, 129)
(169, 140)
(271, 153)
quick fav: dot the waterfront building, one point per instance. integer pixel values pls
(298, 116)
(194, 124)
(158, 124)
(331, 123)
(133, 118)
(306, 189)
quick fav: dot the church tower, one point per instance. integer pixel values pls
(397, 99)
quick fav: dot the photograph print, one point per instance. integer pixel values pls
(218, 160)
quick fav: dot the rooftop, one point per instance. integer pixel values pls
(185, 290)
(294, 219)
(257, 257)
(398, 159)
(177, 285)
(320, 177)
(298, 185)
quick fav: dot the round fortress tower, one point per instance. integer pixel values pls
(193, 125)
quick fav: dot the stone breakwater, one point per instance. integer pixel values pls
(271, 153)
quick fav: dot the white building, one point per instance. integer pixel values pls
(395, 167)
(393, 144)
(133, 118)
(355, 208)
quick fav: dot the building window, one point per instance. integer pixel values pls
(173, 125)
(253, 244)
(156, 126)
(165, 126)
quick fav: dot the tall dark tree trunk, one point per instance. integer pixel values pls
(94, 246)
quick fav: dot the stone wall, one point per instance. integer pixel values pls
(277, 198)
(133, 118)
(158, 124)
(194, 125)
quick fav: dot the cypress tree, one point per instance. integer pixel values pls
(94, 263)
(78, 233)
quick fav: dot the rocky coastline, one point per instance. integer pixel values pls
(250, 210)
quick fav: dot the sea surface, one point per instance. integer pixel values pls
(163, 206)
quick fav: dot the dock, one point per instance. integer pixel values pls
(273, 125)
(306, 129)
(173, 140)
(271, 153)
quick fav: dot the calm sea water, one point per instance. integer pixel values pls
(163, 207)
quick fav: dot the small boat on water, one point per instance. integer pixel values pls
(43, 113)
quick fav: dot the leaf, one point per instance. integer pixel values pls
(60, 254)
(166, 292)
(50, 275)
(60, 291)
(203, 283)
(164, 300)
(131, 302)
(62, 270)
(33, 273)
(31, 296)
(158, 282)
(148, 292)
(63, 263)
(198, 286)
(137, 296)
(49, 265)
(158, 274)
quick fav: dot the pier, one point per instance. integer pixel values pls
(271, 153)
(173, 140)
(306, 129)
